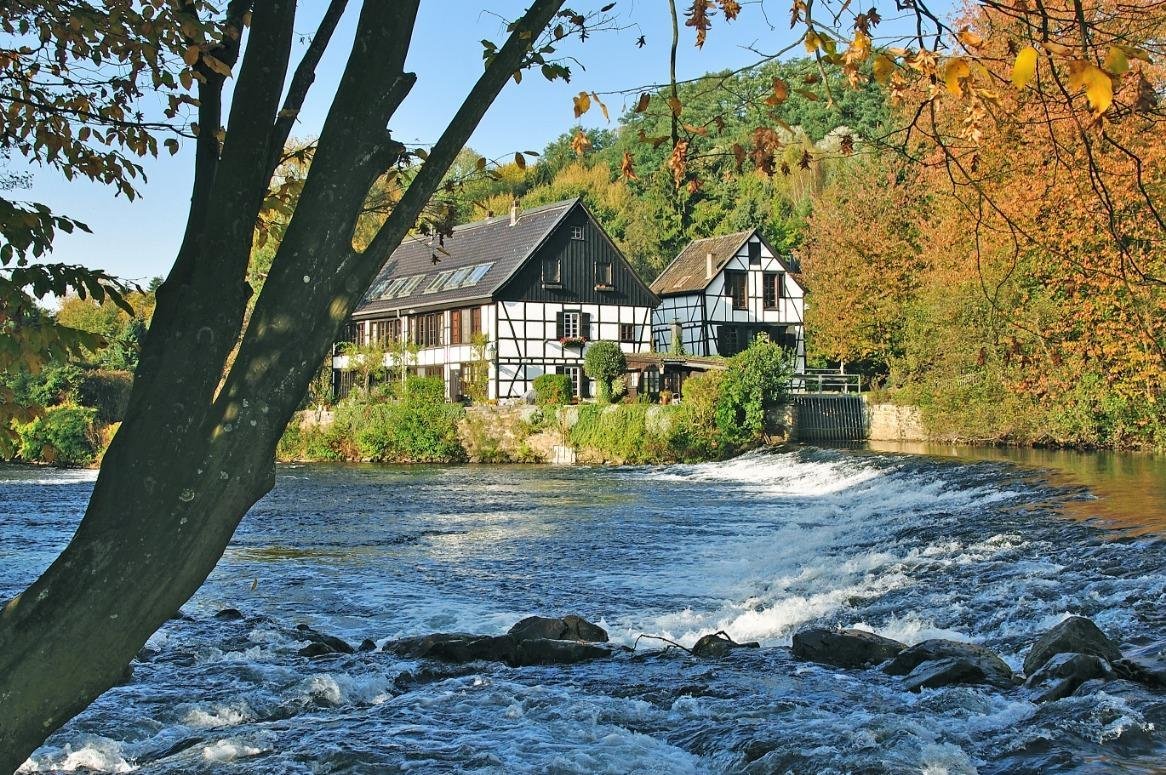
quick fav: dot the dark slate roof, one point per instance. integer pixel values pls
(492, 241)
(686, 273)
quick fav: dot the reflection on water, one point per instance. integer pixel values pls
(1126, 489)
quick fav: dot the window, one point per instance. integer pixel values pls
(627, 332)
(571, 325)
(455, 327)
(578, 381)
(384, 332)
(651, 380)
(730, 340)
(463, 324)
(350, 333)
(427, 329)
(772, 288)
(552, 272)
(754, 252)
(603, 274)
(735, 288)
(438, 282)
(576, 232)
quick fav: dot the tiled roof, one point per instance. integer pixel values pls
(477, 259)
(687, 272)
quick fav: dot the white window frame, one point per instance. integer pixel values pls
(575, 374)
(572, 324)
(577, 232)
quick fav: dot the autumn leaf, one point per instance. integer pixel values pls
(582, 103)
(811, 41)
(520, 160)
(674, 104)
(678, 162)
(780, 93)
(602, 107)
(698, 18)
(1025, 67)
(625, 167)
(969, 38)
(580, 144)
(642, 102)
(191, 54)
(1096, 82)
(955, 71)
(730, 8)
(882, 67)
(1116, 61)
(739, 155)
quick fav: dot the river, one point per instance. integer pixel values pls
(910, 545)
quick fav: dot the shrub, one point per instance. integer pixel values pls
(603, 362)
(621, 433)
(107, 391)
(696, 435)
(63, 435)
(757, 377)
(552, 389)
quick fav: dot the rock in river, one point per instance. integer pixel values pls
(1075, 635)
(716, 645)
(570, 627)
(844, 648)
(1146, 665)
(994, 669)
(1066, 673)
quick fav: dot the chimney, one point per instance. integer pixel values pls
(514, 211)
(708, 266)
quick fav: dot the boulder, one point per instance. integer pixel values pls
(227, 614)
(844, 648)
(570, 627)
(544, 651)
(935, 673)
(460, 648)
(304, 632)
(367, 645)
(1146, 665)
(996, 671)
(1064, 673)
(1075, 635)
(715, 645)
(317, 649)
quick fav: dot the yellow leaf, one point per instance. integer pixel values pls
(602, 107)
(811, 41)
(969, 38)
(1116, 61)
(674, 103)
(582, 104)
(186, 79)
(1056, 48)
(953, 72)
(1096, 82)
(883, 67)
(190, 55)
(1025, 67)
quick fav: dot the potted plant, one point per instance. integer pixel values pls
(573, 341)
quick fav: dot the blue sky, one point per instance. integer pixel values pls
(138, 240)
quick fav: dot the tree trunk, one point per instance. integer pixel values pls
(196, 449)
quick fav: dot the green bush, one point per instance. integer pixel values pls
(696, 435)
(622, 433)
(107, 391)
(552, 389)
(63, 435)
(757, 378)
(603, 362)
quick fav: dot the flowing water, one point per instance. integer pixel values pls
(910, 546)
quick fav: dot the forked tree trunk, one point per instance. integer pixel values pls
(196, 449)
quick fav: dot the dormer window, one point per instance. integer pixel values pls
(576, 232)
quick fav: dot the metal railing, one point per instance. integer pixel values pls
(825, 381)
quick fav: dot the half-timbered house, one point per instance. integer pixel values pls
(519, 296)
(721, 292)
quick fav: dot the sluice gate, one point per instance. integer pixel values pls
(838, 417)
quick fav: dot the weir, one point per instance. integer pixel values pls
(831, 417)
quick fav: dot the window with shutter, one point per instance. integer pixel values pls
(455, 327)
